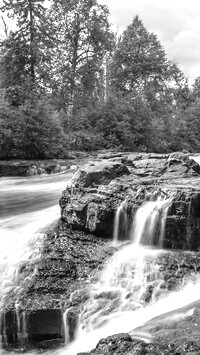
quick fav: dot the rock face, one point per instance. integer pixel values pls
(90, 203)
(68, 261)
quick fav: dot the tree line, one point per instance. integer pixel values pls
(68, 82)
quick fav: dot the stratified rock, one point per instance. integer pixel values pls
(90, 203)
(183, 221)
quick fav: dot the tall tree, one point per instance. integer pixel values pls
(84, 38)
(33, 32)
(140, 62)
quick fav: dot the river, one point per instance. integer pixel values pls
(27, 207)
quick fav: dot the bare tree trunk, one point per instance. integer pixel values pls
(32, 50)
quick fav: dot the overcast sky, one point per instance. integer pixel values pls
(176, 23)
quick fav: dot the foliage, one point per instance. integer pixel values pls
(25, 53)
(83, 38)
(31, 131)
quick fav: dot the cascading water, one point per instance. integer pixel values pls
(130, 280)
(22, 335)
(120, 223)
(149, 222)
(66, 327)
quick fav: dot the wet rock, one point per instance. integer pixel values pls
(124, 344)
(184, 159)
(98, 174)
(32, 171)
(41, 171)
(183, 221)
(115, 344)
(90, 204)
(72, 321)
(8, 327)
(56, 170)
(44, 325)
(14, 168)
(60, 281)
(31, 168)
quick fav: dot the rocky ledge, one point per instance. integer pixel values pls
(76, 249)
(97, 190)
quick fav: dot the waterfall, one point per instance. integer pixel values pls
(132, 278)
(22, 335)
(120, 222)
(149, 222)
(66, 327)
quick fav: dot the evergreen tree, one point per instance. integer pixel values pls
(33, 33)
(140, 63)
(83, 38)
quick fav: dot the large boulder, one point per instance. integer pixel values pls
(98, 174)
(89, 203)
(178, 158)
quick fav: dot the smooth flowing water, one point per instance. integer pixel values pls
(149, 222)
(27, 207)
(120, 223)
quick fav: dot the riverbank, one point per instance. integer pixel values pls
(40, 167)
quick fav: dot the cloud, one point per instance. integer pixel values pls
(176, 23)
(185, 50)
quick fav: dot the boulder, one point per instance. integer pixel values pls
(32, 170)
(184, 159)
(97, 174)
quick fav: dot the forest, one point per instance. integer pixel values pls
(68, 82)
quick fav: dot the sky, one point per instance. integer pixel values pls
(175, 22)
